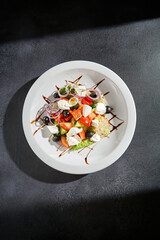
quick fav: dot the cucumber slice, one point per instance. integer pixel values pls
(62, 130)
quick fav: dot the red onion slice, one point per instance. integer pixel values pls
(63, 95)
(72, 99)
(93, 90)
(51, 109)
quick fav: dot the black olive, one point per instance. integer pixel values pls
(66, 113)
(89, 134)
(108, 109)
(46, 120)
(93, 95)
(56, 95)
(55, 138)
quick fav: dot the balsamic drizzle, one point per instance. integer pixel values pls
(106, 93)
(88, 154)
(46, 99)
(97, 84)
(115, 127)
(75, 81)
(39, 128)
(35, 120)
(65, 151)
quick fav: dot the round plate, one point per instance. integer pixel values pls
(105, 152)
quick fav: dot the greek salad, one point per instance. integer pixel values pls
(75, 115)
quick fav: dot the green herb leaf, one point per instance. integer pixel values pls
(73, 90)
(63, 91)
(93, 105)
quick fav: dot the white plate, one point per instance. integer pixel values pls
(108, 150)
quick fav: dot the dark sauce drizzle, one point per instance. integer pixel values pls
(65, 151)
(39, 128)
(37, 119)
(46, 99)
(57, 87)
(115, 127)
(106, 93)
(97, 84)
(75, 81)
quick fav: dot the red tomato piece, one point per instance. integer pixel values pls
(67, 118)
(87, 101)
(86, 121)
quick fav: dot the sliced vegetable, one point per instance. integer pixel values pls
(63, 98)
(68, 118)
(73, 101)
(66, 125)
(63, 92)
(79, 124)
(59, 118)
(82, 135)
(64, 141)
(84, 143)
(75, 107)
(73, 121)
(62, 130)
(76, 114)
(52, 108)
(92, 115)
(87, 101)
(86, 121)
(81, 107)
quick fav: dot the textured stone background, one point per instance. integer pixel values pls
(37, 202)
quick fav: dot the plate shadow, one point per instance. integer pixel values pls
(18, 147)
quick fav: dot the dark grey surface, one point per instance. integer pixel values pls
(37, 202)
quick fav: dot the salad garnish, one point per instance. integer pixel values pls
(76, 117)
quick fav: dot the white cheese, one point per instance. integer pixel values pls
(100, 108)
(95, 138)
(74, 131)
(53, 129)
(72, 137)
(73, 140)
(86, 110)
(81, 90)
(63, 104)
(95, 123)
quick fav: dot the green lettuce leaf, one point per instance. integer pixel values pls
(84, 143)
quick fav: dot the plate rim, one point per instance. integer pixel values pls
(130, 128)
